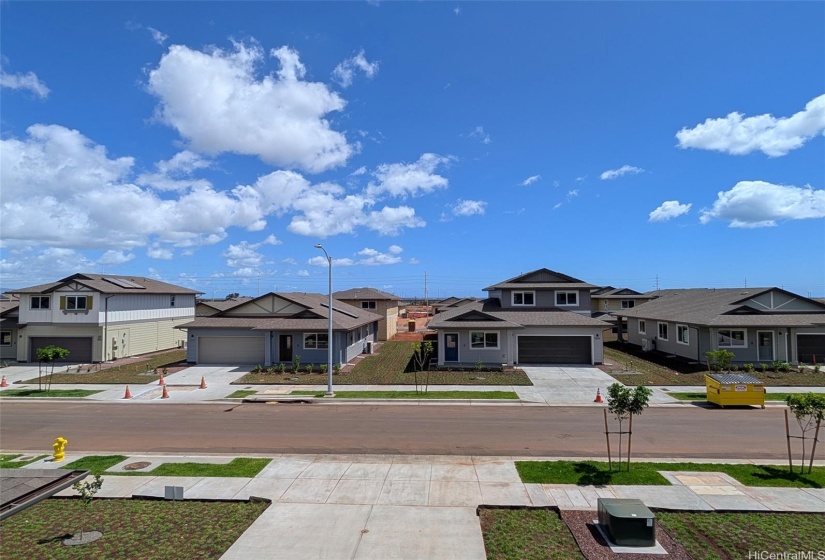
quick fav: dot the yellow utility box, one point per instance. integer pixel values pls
(734, 389)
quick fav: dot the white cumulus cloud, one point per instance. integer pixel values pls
(157, 36)
(623, 170)
(344, 73)
(668, 210)
(161, 253)
(373, 257)
(28, 81)
(739, 135)
(530, 180)
(752, 204)
(469, 208)
(409, 179)
(479, 134)
(112, 257)
(217, 101)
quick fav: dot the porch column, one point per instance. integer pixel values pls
(268, 337)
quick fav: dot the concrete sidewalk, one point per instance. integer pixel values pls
(400, 506)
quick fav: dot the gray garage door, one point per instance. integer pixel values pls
(554, 350)
(231, 350)
(810, 345)
(79, 347)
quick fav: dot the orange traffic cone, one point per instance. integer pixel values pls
(3, 383)
(161, 381)
(128, 394)
(203, 383)
(165, 394)
(598, 396)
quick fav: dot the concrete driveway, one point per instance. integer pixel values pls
(571, 385)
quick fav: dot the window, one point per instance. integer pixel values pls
(524, 298)
(367, 305)
(682, 334)
(76, 303)
(487, 340)
(40, 302)
(567, 298)
(315, 341)
(171, 301)
(642, 326)
(628, 304)
(5, 338)
(731, 339)
(663, 331)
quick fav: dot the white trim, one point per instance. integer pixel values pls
(773, 346)
(457, 347)
(485, 347)
(567, 292)
(11, 340)
(47, 298)
(659, 331)
(639, 326)
(744, 338)
(523, 293)
(685, 342)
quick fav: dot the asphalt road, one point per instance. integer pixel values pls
(687, 431)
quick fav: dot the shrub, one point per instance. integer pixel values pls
(479, 365)
(734, 367)
(764, 367)
(308, 368)
(296, 363)
(282, 368)
(324, 368)
(257, 369)
(748, 367)
(336, 368)
(719, 360)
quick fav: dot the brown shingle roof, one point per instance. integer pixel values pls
(99, 283)
(512, 318)
(224, 304)
(363, 293)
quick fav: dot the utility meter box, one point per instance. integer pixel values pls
(627, 522)
(734, 389)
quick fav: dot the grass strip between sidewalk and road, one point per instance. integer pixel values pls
(413, 395)
(239, 467)
(597, 473)
(703, 396)
(535, 534)
(36, 393)
(172, 530)
(12, 461)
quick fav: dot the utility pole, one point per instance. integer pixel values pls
(657, 282)
(426, 299)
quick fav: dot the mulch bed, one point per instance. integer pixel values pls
(594, 547)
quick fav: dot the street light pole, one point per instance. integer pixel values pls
(329, 331)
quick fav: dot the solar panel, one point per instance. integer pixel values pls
(123, 283)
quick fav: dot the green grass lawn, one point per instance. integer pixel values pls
(241, 394)
(386, 367)
(526, 534)
(133, 373)
(52, 393)
(658, 369)
(414, 395)
(146, 529)
(516, 534)
(597, 473)
(240, 467)
(11, 461)
(704, 396)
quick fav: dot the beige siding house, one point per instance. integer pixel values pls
(375, 301)
(102, 317)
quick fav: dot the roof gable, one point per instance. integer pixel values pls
(269, 305)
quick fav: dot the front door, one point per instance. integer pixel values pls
(285, 348)
(451, 347)
(765, 347)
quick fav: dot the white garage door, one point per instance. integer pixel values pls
(231, 350)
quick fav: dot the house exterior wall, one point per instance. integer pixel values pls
(34, 331)
(9, 352)
(387, 309)
(126, 307)
(781, 301)
(272, 306)
(604, 304)
(545, 298)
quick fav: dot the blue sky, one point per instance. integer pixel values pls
(214, 144)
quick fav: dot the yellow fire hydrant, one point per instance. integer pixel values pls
(59, 446)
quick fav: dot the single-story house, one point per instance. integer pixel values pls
(279, 328)
(101, 317)
(376, 301)
(756, 324)
(541, 317)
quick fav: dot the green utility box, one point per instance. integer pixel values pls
(627, 522)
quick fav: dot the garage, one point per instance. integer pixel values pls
(810, 345)
(231, 350)
(79, 347)
(555, 350)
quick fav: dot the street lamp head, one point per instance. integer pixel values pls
(319, 246)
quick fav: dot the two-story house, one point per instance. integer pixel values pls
(102, 317)
(374, 301)
(607, 302)
(9, 309)
(541, 317)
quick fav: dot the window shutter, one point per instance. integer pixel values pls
(89, 300)
(62, 302)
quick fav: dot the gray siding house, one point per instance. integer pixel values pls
(541, 317)
(279, 328)
(756, 324)
(9, 310)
